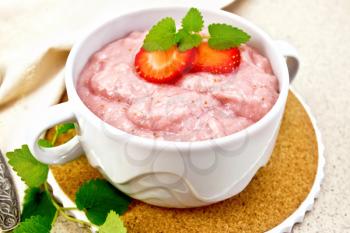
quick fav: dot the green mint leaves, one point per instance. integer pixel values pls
(223, 36)
(38, 210)
(163, 35)
(188, 37)
(32, 172)
(36, 224)
(38, 202)
(44, 143)
(113, 224)
(59, 131)
(187, 40)
(98, 197)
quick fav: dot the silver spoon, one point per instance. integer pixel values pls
(9, 203)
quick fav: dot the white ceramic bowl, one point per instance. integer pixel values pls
(165, 173)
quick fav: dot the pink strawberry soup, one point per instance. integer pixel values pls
(199, 106)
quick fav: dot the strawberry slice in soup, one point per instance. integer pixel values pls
(163, 66)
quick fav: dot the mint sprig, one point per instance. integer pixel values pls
(40, 208)
(163, 35)
(224, 36)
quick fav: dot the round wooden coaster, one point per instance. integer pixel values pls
(275, 193)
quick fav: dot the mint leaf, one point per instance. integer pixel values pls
(181, 34)
(224, 36)
(64, 128)
(32, 172)
(193, 21)
(161, 36)
(113, 224)
(38, 202)
(35, 224)
(98, 197)
(44, 143)
(189, 42)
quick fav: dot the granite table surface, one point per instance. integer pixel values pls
(320, 30)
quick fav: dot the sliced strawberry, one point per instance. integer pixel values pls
(216, 61)
(163, 66)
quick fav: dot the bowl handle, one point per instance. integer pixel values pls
(60, 113)
(291, 55)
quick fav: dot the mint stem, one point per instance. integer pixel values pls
(55, 136)
(55, 218)
(62, 210)
(70, 208)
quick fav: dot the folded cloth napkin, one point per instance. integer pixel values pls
(35, 39)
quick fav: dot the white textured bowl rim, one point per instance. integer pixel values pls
(178, 145)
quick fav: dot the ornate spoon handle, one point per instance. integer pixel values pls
(9, 204)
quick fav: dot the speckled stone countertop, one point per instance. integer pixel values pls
(320, 30)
